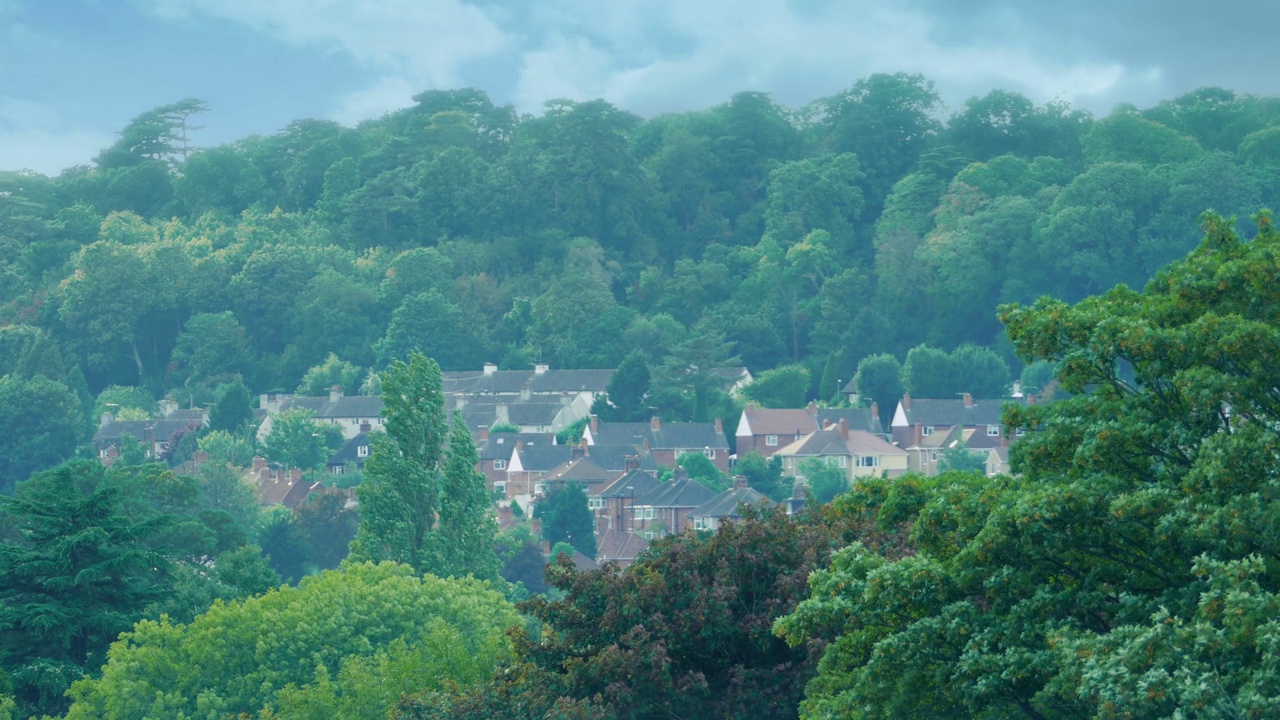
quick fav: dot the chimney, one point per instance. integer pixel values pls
(526, 390)
(918, 433)
(1017, 389)
(679, 474)
(739, 482)
(875, 410)
(546, 548)
(500, 415)
(295, 475)
(484, 433)
(199, 458)
(906, 401)
(490, 368)
(595, 424)
(149, 437)
(519, 444)
(632, 462)
(335, 393)
(365, 427)
(168, 406)
(811, 408)
(968, 400)
(259, 463)
(844, 429)
(719, 426)
(577, 452)
(106, 419)
(540, 368)
(655, 424)
(459, 402)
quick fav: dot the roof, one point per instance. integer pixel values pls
(821, 443)
(349, 452)
(668, 436)
(163, 429)
(614, 457)
(950, 411)
(632, 484)
(543, 458)
(856, 418)
(500, 445)
(346, 406)
(580, 470)
(682, 493)
(726, 503)
(620, 547)
(511, 382)
(775, 421)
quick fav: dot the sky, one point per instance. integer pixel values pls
(74, 72)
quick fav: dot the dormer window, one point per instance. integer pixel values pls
(362, 451)
(993, 431)
(926, 431)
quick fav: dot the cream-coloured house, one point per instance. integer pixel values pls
(859, 453)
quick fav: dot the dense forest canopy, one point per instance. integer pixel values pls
(863, 223)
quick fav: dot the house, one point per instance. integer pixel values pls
(579, 470)
(666, 442)
(353, 454)
(156, 435)
(611, 503)
(733, 379)
(280, 486)
(997, 461)
(530, 461)
(928, 427)
(857, 452)
(353, 413)
(665, 509)
(495, 450)
(767, 430)
(711, 514)
(620, 548)
(537, 400)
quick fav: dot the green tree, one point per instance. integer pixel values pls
(960, 458)
(825, 480)
(124, 401)
(234, 659)
(422, 502)
(567, 519)
(328, 526)
(765, 475)
(929, 373)
(624, 399)
(980, 371)
(224, 448)
(296, 440)
(40, 426)
(431, 324)
(77, 569)
(333, 371)
(212, 346)
(233, 411)
(781, 387)
(879, 379)
(703, 470)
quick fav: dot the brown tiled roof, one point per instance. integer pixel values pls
(773, 421)
(619, 547)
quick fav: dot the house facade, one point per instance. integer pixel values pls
(665, 442)
(856, 452)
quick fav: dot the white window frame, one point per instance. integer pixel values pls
(993, 431)
(933, 456)
(868, 461)
(499, 464)
(647, 513)
(844, 461)
(336, 469)
(771, 440)
(709, 453)
(648, 534)
(362, 451)
(500, 487)
(596, 503)
(926, 431)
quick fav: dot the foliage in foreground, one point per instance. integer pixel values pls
(349, 640)
(1130, 572)
(682, 632)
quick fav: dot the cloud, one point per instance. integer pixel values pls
(34, 136)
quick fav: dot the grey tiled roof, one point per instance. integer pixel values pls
(614, 457)
(508, 382)
(954, 412)
(726, 503)
(162, 429)
(348, 406)
(631, 485)
(668, 436)
(500, 445)
(682, 493)
(543, 458)
(857, 418)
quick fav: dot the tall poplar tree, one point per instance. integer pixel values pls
(421, 501)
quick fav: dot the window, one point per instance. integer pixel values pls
(933, 455)
(595, 503)
(644, 513)
(993, 431)
(499, 464)
(697, 524)
(711, 454)
(648, 534)
(771, 440)
(1020, 432)
(102, 453)
(869, 461)
(927, 430)
(500, 487)
(336, 469)
(844, 461)
(362, 451)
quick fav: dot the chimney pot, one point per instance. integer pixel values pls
(595, 424)
(844, 428)
(968, 400)
(490, 368)
(655, 424)
(335, 393)
(484, 432)
(719, 425)
(906, 401)
(106, 419)
(739, 482)
(540, 368)
(875, 410)
(632, 462)
(811, 408)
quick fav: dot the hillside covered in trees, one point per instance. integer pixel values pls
(868, 222)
